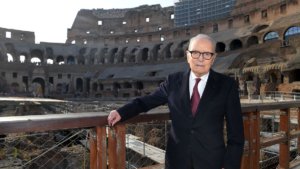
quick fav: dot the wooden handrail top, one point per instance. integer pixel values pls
(34, 123)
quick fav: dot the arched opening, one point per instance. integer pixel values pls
(23, 58)
(79, 85)
(103, 52)
(294, 76)
(38, 87)
(116, 88)
(127, 85)
(70, 60)
(139, 85)
(15, 88)
(292, 31)
(111, 55)
(273, 78)
(94, 87)
(10, 58)
(220, 47)
(145, 54)
(59, 88)
(92, 55)
(11, 52)
(167, 51)
(253, 40)
(50, 61)
(181, 48)
(259, 28)
(236, 44)
(36, 53)
(154, 52)
(35, 60)
(132, 55)
(271, 36)
(121, 58)
(60, 60)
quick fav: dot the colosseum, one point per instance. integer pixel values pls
(124, 53)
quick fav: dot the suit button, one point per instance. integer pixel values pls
(192, 131)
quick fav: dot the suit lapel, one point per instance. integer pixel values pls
(208, 92)
(184, 95)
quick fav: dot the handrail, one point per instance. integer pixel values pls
(102, 148)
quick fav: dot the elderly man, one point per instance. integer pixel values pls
(199, 100)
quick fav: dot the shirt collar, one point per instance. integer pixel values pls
(203, 77)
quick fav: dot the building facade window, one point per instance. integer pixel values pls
(15, 74)
(264, 14)
(191, 12)
(283, 8)
(247, 19)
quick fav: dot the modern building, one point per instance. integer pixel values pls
(191, 12)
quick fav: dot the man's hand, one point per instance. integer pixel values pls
(113, 118)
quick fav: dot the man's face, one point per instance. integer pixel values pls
(200, 65)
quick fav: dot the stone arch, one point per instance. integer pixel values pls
(92, 55)
(102, 54)
(132, 55)
(15, 87)
(10, 48)
(179, 51)
(121, 55)
(38, 54)
(81, 58)
(154, 52)
(111, 55)
(38, 87)
(26, 57)
(70, 60)
(116, 88)
(291, 31)
(252, 40)
(59, 88)
(236, 44)
(166, 51)
(60, 60)
(259, 28)
(220, 47)
(143, 55)
(79, 85)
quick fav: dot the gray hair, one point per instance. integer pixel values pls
(203, 36)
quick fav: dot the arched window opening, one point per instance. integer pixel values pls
(292, 31)
(271, 36)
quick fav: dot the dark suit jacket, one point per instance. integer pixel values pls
(198, 139)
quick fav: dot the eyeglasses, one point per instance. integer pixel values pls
(205, 55)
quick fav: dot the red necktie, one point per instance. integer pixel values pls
(195, 97)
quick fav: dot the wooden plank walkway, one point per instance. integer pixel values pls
(144, 149)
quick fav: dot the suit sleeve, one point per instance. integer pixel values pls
(235, 130)
(145, 103)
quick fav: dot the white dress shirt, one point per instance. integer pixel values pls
(201, 84)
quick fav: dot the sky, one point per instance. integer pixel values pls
(50, 19)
